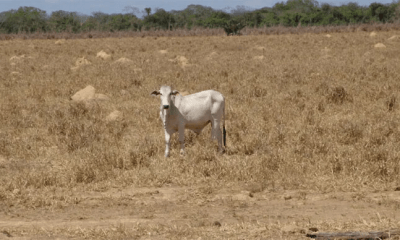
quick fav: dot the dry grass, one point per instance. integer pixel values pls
(301, 111)
(254, 230)
(316, 113)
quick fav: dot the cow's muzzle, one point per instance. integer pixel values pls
(166, 106)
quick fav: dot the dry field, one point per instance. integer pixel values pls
(313, 137)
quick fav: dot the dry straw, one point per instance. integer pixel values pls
(303, 111)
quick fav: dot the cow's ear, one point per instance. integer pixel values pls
(174, 92)
(155, 93)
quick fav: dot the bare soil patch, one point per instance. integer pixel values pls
(203, 212)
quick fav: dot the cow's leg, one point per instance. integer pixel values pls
(217, 134)
(212, 131)
(167, 143)
(181, 130)
(217, 112)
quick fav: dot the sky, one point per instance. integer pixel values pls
(118, 6)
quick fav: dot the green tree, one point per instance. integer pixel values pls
(351, 13)
(120, 22)
(148, 11)
(25, 19)
(197, 14)
(82, 18)
(90, 24)
(280, 7)
(61, 21)
(217, 19)
(289, 19)
(396, 10)
(192, 15)
(181, 19)
(289, 13)
(233, 27)
(270, 19)
(100, 21)
(161, 19)
(380, 12)
(294, 12)
(250, 18)
(326, 8)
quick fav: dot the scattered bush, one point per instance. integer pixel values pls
(286, 119)
(350, 132)
(338, 95)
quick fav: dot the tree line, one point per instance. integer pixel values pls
(291, 13)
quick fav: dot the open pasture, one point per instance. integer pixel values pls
(313, 137)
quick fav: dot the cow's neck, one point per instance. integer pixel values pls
(172, 107)
(172, 111)
(175, 102)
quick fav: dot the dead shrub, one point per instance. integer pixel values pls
(378, 162)
(321, 148)
(141, 156)
(336, 165)
(321, 106)
(138, 159)
(380, 134)
(209, 167)
(82, 129)
(322, 88)
(248, 149)
(338, 95)
(137, 83)
(5, 143)
(206, 156)
(259, 91)
(310, 117)
(78, 110)
(270, 162)
(278, 135)
(375, 155)
(111, 158)
(248, 146)
(349, 132)
(305, 146)
(84, 173)
(78, 126)
(391, 103)
(190, 138)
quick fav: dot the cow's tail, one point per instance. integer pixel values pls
(223, 126)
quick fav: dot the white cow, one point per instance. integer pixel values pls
(193, 112)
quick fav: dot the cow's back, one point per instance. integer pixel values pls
(197, 108)
(212, 95)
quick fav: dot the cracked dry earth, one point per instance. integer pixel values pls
(199, 213)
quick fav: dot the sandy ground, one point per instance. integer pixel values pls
(202, 208)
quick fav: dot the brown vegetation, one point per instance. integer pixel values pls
(373, 28)
(314, 114)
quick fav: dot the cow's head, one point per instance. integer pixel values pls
(165, 93)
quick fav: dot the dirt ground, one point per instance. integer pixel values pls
(201, 212)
